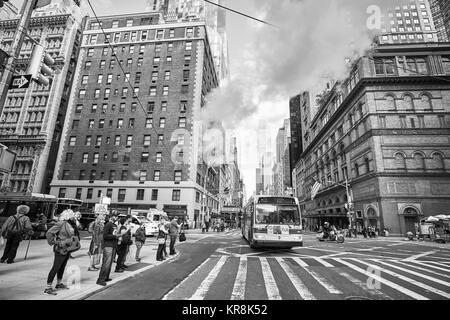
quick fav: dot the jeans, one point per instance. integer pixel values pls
(11, 246)
(121, 256)
(159, 253)
(59, 265)
(138, 248)
(108, 254)
(173, 239)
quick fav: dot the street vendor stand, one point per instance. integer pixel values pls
(435, 228)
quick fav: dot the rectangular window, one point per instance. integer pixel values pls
(82, 94)
(85, 157)
(169, 59)
(176, 195)
(93, 175)
(96, 156)
(177, 175)
(188, 46)
(131, 123)
(62, 192)
(189, 32)
(143, 175)
(165, 90)
(66, 175)
(160, 139)
(140, 61)
(124, 92)
(129, 23)
(140, 194)
(88, 64)
(121, 195)
(126, 157)
(149, 123)
(90, 191)
(112, 175)
(129, 140)
(171, 33)
(163, 106)
(137, 78)
(107, 93)
(69, 157)
(185, 75)
(117, 141)
(158, 157)
(90, 52)
(122, 107)
(155, 76)
(144, 156)
(98, 142)
(182, 123)
(154, 194)
(167, 75)
(87, 142)
(187, 60)
(72, 141)
(159, 34)
(147, 140)
(162, 122)
(152, 91)
(124, 176)
(156, 175)
(102, 64)
(184, 89)
(119, 123)
(115, 157)
(96, 93)
(183, 106)
(402, 121)
(75, 124)
(156, 60)
(84, 80)
(78, 108)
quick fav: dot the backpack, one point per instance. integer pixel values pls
(10, 232)
(126, 239)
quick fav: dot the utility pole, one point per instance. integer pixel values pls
(25, 17)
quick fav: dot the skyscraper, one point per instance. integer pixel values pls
(31, 120)
(440, 10)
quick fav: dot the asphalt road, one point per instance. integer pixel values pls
(223, 267)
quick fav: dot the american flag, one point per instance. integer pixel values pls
(315, 189)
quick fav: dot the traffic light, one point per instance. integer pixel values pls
(1, 2)
(40, 64)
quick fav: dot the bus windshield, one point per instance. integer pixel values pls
(277, 214)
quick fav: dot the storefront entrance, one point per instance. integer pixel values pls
(411, 218)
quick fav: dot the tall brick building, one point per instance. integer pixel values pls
(386, 129)
(138, 145)
(31, 120)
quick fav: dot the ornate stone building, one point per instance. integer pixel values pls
(387, 130)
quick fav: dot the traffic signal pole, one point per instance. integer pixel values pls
(25, 17)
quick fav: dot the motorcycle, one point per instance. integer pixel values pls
(332, 236)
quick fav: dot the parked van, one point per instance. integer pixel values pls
(153, 216)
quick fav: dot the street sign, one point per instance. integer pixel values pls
(101, 208)
(20, 82)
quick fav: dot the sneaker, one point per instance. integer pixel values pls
(9, 262)
(108, 280)
(101, 283)
(92, 269)
(61, 286)
(119, 270)
(50, 291)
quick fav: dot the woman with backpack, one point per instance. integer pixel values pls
(163, 231)
(96, 246)
(63, 237)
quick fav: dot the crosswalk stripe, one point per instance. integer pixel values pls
(328, 286)
(363, 285)
(326, 264)
(429, 265)
(445, 283)
(269, 281)
(423, 269)
(201, 291)
(412, 281)
(391, 284)
(436, 263)
(239, 284)
(298, 284)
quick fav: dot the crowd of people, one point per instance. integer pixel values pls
(110, 242)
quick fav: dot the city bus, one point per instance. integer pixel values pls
(38, 202)
(67, 203)
(272, 221)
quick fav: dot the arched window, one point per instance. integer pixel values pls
(437, 161)
(426, 102)
(390, 102)
(408, 102)
(400, 162)
(33, 117)
(419, 161)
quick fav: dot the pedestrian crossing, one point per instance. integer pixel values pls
(313, 278)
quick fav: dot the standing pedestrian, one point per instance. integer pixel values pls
(139, 237)
(96, 246)
(13, 230)
(162, 233)
(61, 236)
(124, 238)
(109, 248)
(173, 232)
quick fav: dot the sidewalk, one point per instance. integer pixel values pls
(26, 279)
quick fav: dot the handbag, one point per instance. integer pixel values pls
(68, 245)
(161, 240)
(182, 237)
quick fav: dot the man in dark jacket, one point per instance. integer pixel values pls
(173, 232)
(109, 247)
(13, 230)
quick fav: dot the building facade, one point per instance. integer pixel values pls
(440, 9)
(131, 133)
(385, 130)
(31, 120)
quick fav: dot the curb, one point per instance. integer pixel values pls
(98, 288)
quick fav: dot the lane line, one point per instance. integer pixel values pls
(391, 284)
(239, 284)
(423, 269)
(201, 291)
(415, 257)
(298, 284)
(328, 286)
(433, 263)
(326, 264)
(428, 264)
(409, 280)
(445, 283)
(363, 285)
(269, 281)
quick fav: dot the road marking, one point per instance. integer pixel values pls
(363, 285)
(423, 269)
(328, 286)
(415, 257)
(239, 284)
(326, 264)
(391, 284)
(428, 264)
(445, 283)
(201, 238)
(412, 281)
(269, 281)
(201, 291)
(298, 284)
(395, 244)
